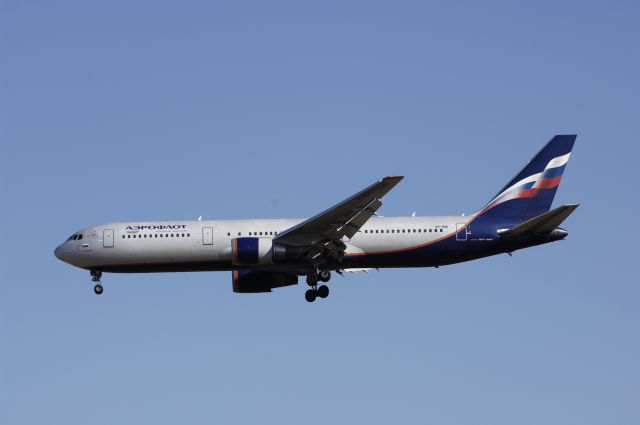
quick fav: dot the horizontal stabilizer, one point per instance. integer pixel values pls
(541, 224)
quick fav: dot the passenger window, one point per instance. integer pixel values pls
(188, 235)
(228, 233)
(122, 236)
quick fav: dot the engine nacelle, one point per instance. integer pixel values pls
(251, 281)
(251, 251)
(255, 251)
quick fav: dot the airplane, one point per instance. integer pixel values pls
(350, 236)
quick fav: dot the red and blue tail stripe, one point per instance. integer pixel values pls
(531, 191)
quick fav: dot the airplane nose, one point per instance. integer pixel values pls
(58, 252)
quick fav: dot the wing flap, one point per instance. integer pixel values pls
(353, 225)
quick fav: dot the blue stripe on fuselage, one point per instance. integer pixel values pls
(482, 241)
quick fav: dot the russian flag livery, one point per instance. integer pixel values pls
(531, 191)
(264, 254)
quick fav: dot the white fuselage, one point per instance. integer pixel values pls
(206, 244)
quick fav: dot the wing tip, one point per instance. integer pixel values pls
(393, 178)
(571, 206)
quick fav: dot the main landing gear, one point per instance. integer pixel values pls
(312, 280)
(96, 275)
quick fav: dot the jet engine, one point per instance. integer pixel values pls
(251, 281)
(249, 251)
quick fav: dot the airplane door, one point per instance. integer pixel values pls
(207, 236)
(461, 231)
(107, 238)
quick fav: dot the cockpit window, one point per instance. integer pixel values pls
(80, 236)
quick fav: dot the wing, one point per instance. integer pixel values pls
(323, 233)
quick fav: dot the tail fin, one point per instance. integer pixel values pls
(530, 193)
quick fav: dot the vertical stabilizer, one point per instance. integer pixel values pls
(530, 193)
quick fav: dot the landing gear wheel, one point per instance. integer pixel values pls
(323, 291)
(324, 275)
(312, 279)
(310, 295)
(98, 289)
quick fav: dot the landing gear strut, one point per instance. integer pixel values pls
(96, 275)
(312, 280)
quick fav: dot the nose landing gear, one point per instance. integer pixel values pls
(96, 275)
(312, 280)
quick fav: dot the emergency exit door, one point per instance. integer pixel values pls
(207, 235)
(107, 238)
(461, 231)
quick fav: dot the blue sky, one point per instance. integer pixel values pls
(136, 110)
